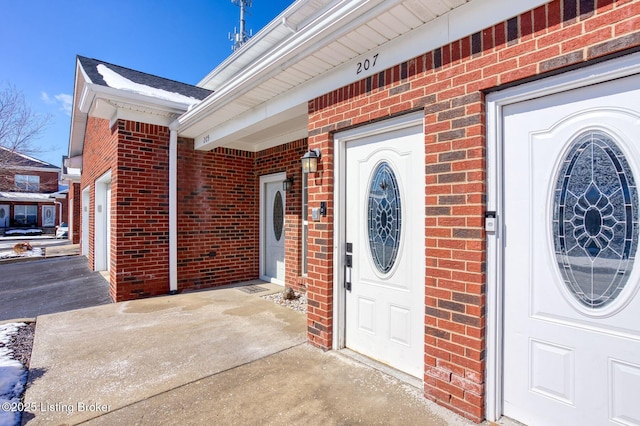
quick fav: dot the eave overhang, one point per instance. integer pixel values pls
(95, 100)
(314, 47)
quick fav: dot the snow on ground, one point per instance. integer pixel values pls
(11, 254)
(23, 231)
(13, 377)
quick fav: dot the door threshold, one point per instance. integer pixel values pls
(387, 369)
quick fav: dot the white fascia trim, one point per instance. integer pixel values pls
(72, 178)
(281, 21)
(32, 169)
(261, 145)
(137, 100)
(237, 128)
(460, 22)
(328, 26)
(74, 162)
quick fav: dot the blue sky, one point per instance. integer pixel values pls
(178, 39)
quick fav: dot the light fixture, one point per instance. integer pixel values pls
(310, 161)
(287, 184)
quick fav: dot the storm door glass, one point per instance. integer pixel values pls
(384, 217)
(595, 219)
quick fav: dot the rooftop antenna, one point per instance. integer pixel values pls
(240, 37)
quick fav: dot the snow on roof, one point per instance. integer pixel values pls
(117, 81)
(13, 375)
(18, 159)
(25, 196)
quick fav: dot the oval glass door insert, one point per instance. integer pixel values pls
(595, 219)
(278, 215)
(384, 218)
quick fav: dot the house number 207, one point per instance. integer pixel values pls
(367, 64)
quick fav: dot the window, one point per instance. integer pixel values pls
(595, 219)
(305, 220)
(25, 215)
(384, 218)
(27, 183)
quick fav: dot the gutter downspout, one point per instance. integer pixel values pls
(59, 217)
(173, 207)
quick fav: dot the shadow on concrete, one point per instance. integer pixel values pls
(46, 286)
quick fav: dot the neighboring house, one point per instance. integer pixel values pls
(473, 219)
(28, 193)
(71, 176)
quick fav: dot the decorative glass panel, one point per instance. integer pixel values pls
(278, 216)
(595, 219)
(384, 218)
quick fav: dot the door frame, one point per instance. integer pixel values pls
(600, 72)
(84, 220)
(264, 180)
(341, 140)
(102, 243)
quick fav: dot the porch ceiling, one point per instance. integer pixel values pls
(262, 90)
(304, 42)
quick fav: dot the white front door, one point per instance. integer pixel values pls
(272, 229)
(48, 216)
(4, 216)
(384, 209)
(571, 309)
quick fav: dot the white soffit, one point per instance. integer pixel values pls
(322, 53)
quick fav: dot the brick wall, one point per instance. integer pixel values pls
(218, 213)
(140, 219)
(217, 217)
(48, 180)
(449, 85)
(99, 156)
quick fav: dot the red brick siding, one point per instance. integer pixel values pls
(48, 180)
(448, 84)
(74, 222)
(217, 217)
(286, 158)
(218, 213)
(99, 156)
(140, 211)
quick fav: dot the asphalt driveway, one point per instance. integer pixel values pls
(44, 286)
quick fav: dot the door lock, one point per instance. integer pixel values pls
(348, 263)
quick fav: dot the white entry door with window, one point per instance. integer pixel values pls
(571, 274)
(4, 215)
(384, 237)
(48, 216)
(272, 220)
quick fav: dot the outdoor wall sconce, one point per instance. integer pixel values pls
(310, 161)
(287, 184)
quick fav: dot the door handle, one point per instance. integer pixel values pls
(348, 263)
